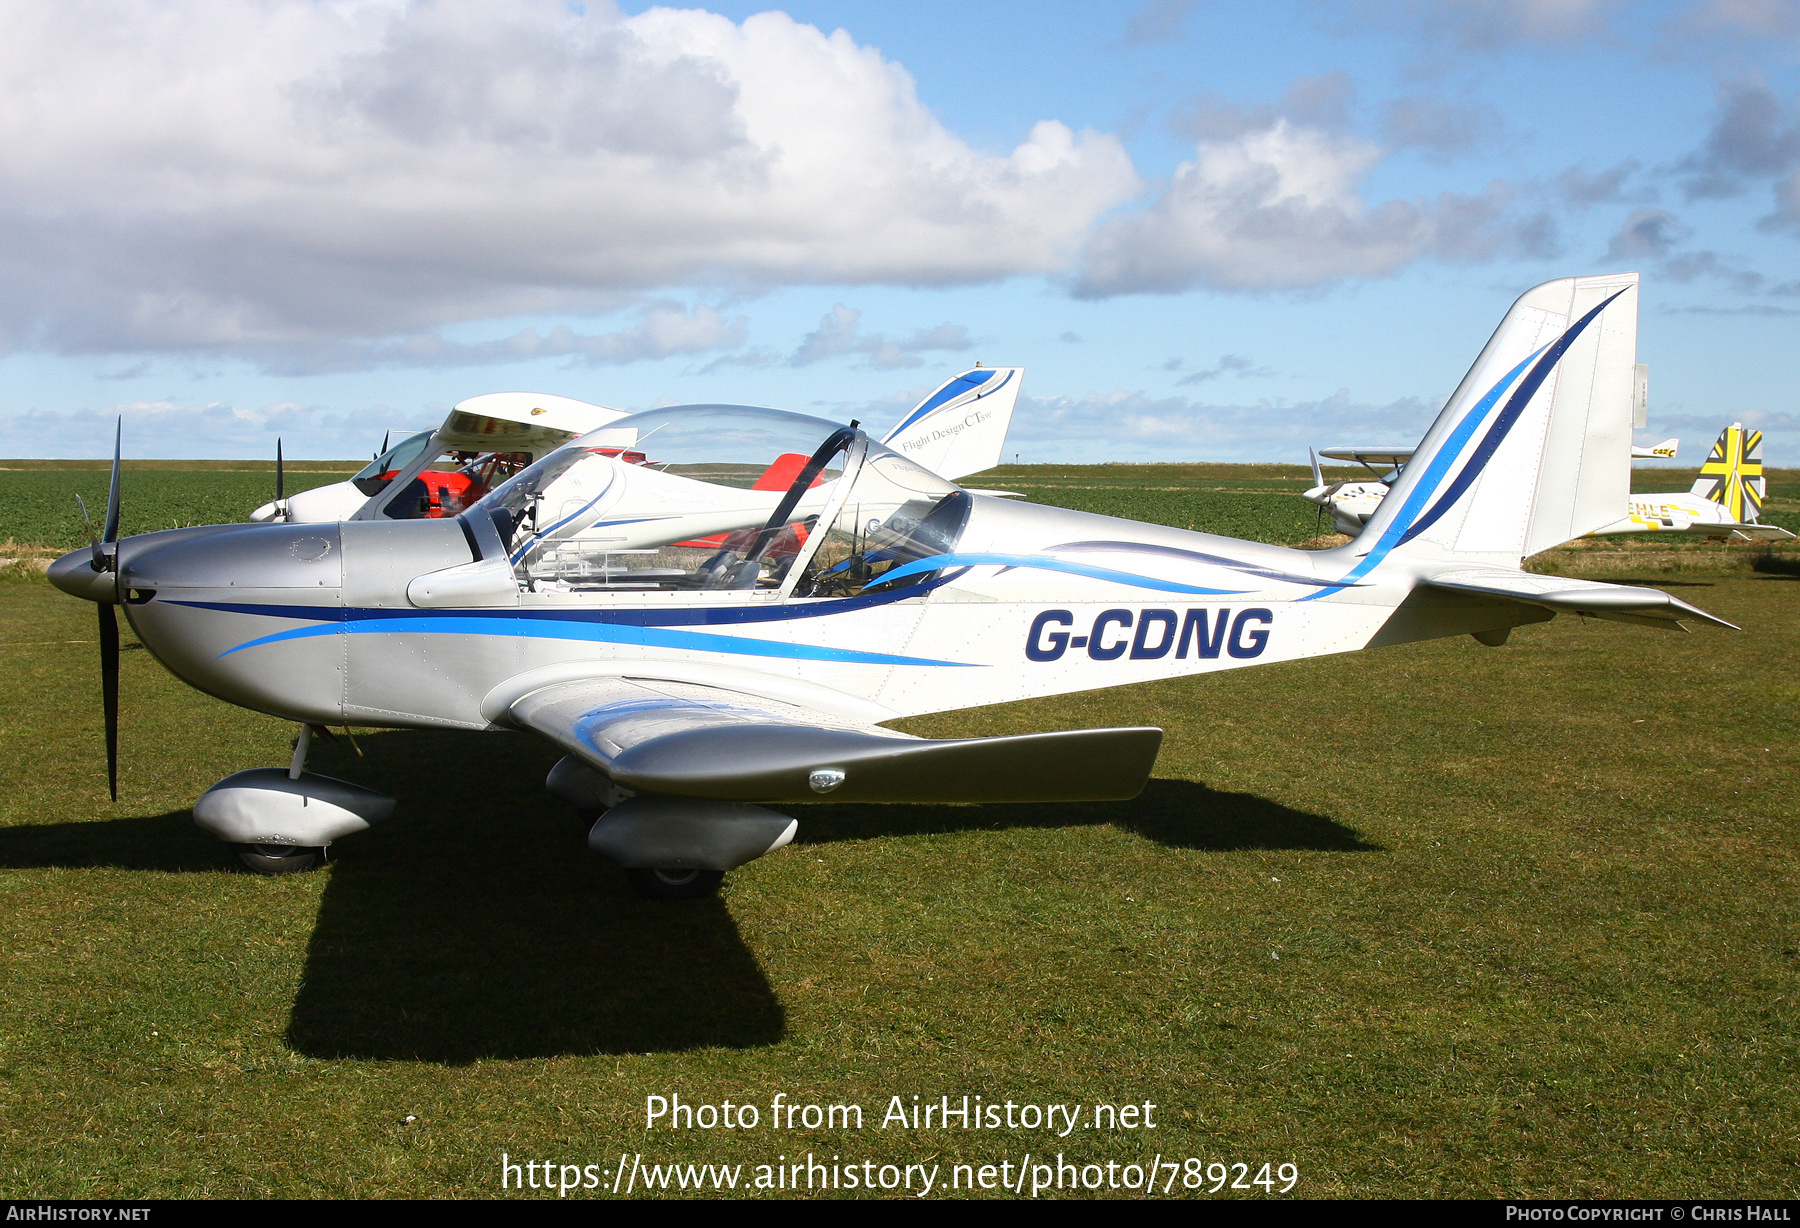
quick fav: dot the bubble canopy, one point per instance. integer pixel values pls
(721, 497)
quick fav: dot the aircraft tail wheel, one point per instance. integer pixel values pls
(675, 884)
(275, 859)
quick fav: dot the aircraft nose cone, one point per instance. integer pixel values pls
(74, 574)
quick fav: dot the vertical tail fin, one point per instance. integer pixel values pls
(1733, 474)
(1534, 447)
(960, 428)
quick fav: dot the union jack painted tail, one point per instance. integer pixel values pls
(1733, 474)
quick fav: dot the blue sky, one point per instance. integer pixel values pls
(1208, 230)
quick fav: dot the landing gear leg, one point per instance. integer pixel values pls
(675, 884)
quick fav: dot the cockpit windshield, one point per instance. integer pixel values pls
(719, 497)
(375, 475)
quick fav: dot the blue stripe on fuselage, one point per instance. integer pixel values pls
(604, 633)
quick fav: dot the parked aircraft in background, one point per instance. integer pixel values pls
(959, 429)
(497, 434)
(689, 682)
(1352, 503)
(1725, 502)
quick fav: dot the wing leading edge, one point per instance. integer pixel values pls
(687, 740)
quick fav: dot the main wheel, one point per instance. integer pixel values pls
(675, 884)
(278, 858)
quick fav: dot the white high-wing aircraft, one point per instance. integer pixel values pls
(1724, 502)
(1352, 503)
(518, 427)
(958, 430)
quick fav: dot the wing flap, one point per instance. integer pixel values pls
(698, 741)
(1626, 603)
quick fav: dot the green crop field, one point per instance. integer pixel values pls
(1432, 920)
(37, 506)
(1259, 502)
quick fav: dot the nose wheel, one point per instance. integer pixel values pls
(675, 884)
(274, 859)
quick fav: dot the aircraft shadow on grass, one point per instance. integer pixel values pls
(477, 925)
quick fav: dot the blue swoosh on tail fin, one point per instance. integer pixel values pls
(1413, 519)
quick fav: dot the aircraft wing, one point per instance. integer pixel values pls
(1391, 457)
(1623, 603)
(700, 741)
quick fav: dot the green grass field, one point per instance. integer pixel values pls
(1433, 920)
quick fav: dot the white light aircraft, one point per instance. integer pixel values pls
(699, 649)
(958, 430)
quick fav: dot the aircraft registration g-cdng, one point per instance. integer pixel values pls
(699, 648)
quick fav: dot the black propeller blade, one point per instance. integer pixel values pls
(109, 692)
(111, 532)
(109, 620)
(280, 489)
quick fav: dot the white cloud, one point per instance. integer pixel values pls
(244, 177)
(216, 430)
(1581, 189)
(1439, 126)
(662, 330)
(1321, 101)
(1753, 137)
(1488, 25)
(1228, 364)
(1158, 21)
(1123, 425)
(1279, 208)
(1648, 234)
(840, 332)
(1747, 18)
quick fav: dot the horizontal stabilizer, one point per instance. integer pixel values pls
(1744, 532)
(1391, 457)
(699, 741)
(1623, 603)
